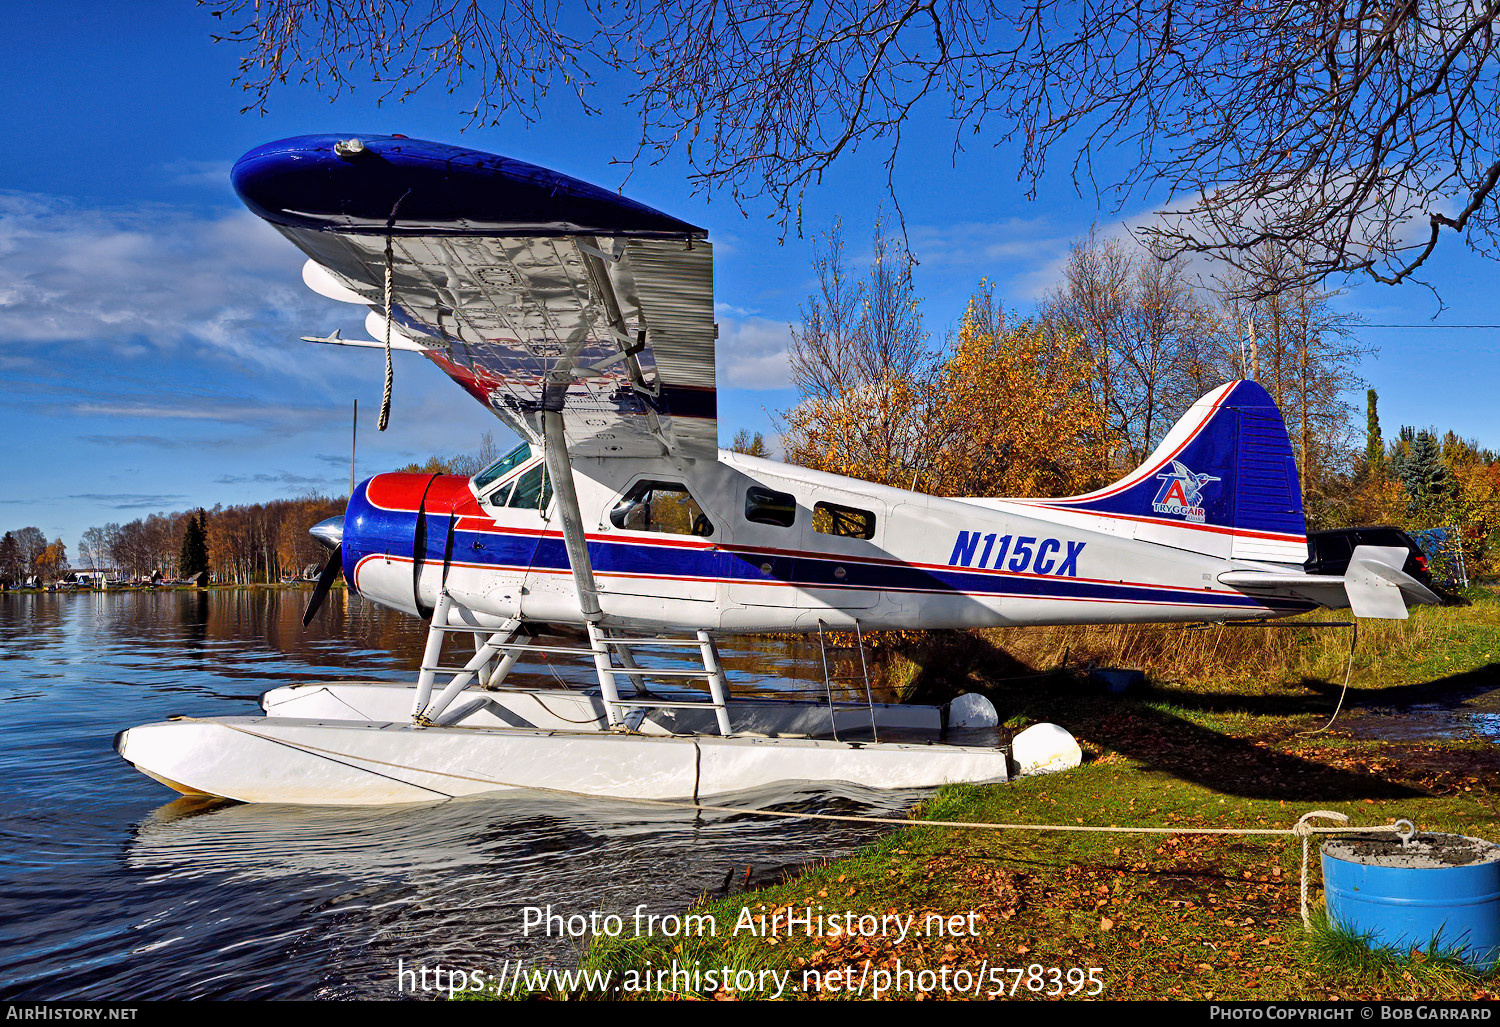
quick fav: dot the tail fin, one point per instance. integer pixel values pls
(1223, 482)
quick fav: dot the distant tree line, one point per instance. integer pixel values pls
(244, 544)
(239, 545)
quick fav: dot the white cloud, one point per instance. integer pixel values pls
(209, 174)
(752, 353)
(150, 280)
(967, 244)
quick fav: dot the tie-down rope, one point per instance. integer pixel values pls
(390, 261)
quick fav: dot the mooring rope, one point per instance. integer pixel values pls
(390, 370)
(1348, 670)
(1304, 828)
(389, 300)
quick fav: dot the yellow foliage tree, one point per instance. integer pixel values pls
(1018, 416)
(1010, 411)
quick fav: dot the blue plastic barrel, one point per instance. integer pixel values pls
(1439, 893)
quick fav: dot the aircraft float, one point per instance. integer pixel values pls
(585, 322)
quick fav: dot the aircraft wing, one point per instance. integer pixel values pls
(531, 289)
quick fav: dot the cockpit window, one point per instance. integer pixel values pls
(500, 468)
(532, 490)
(662, 506)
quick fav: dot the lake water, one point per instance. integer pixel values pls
(114, 891)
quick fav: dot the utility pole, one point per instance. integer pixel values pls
(1254, 362)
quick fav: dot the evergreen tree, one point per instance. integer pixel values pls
(1424, 477)
(194, 555)
(1400, 453)
(1374, 446)
(10, 559)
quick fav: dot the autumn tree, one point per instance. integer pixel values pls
(1017, 414)
(52, 561)
(467, 464)
(31, 543)
(1473, 500)
(1155, 345)
(296, 550)
(861, 361)
(1306, 354)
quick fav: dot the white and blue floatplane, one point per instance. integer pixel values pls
(585, 323)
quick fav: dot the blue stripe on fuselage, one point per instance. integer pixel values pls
(377, 532)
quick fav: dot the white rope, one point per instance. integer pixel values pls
(1348, 670)
(1304, 828)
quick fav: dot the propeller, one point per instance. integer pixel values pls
(330, 535)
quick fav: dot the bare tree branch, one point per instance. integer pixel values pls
(1362, 132)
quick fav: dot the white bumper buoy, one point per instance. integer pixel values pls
(972, 710)
(1045, 749)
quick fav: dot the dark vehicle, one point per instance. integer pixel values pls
(1328, 552)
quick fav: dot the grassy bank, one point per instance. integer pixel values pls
(1226, 736)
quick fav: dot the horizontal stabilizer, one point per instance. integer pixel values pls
(1373, 585)
(1378, 587)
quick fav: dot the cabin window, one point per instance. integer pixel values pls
(500, 468)
(661, 506)
(843, 520)
(764, 506)
(532, 490)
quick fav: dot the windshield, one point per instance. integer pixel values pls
(500, 468)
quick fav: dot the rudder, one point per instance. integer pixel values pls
(1224, 481)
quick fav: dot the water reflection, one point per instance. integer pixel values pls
(113, 892)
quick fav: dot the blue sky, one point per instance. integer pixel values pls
(149, 358)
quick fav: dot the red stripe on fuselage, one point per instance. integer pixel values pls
(821, 586)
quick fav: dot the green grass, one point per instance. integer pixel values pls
(1432, 971)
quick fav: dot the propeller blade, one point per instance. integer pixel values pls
(326, 577)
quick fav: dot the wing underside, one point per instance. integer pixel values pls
(588, 308)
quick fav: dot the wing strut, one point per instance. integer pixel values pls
(560, 470)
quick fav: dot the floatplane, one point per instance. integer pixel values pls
(585, 322)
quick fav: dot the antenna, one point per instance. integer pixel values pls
(353, 438)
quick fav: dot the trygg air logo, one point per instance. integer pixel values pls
(1181, 493)
(1043, 557)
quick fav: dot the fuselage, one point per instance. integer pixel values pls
(744, 544)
